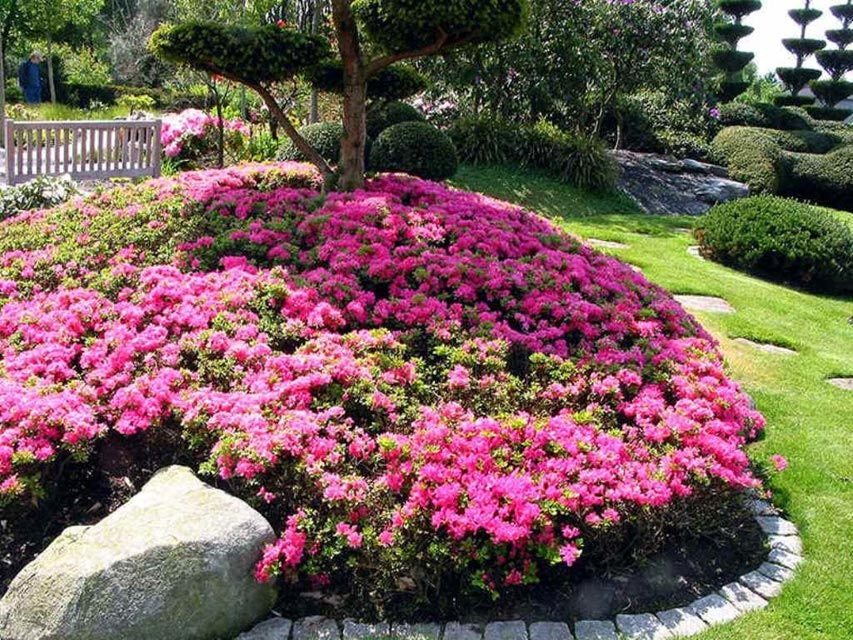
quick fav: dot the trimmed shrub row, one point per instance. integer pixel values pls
(782, 240)
(577, 159)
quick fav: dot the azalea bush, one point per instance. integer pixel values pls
(190, 138)
(416, 382)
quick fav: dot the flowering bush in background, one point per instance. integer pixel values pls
(190, 137)
(425, 381)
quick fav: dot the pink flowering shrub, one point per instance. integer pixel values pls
(187, 137)
(418, 381)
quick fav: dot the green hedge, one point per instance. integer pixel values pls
(416, 148)
(382, 115)
(781, 239)
(813, 165)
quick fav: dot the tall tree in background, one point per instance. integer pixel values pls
(370, 36)
(728, 59)
(796, 78)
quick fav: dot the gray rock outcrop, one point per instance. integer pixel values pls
(675, 187)
(174, 563)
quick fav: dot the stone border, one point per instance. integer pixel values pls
(749, 593)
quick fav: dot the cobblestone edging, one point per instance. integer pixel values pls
(750, 592)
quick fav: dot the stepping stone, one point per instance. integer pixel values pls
(358, 630)
(705, 303)
(644, 626)
(694, 251)
(607, 244)
(422, 631)
(842, 383)
(681, 623)
(515, 630)
(550, 631)
(743, 598)
(595, 630)
(769, 348)
(714, 609)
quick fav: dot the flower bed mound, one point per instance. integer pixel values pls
(416, 381)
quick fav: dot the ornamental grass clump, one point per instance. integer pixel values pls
(414, 383)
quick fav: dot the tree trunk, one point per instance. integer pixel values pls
(2, 92)
(220, 131)
(316, 20)
(50, 82)
(352, 165)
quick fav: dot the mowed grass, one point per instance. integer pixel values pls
(809, 421)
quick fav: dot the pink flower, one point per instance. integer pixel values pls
(780, 463)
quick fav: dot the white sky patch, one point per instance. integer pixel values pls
(772, 23)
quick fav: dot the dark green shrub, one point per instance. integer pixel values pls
(416, 148)
(837, 62)
(751, 155)
(739, 8)
(840, 37)
(831, 92)
(732, 33)
(827, 113)
(803, 47)
(792, 101)
(825, 179)
(780, 239)
(83, 95)
(797, 78)
(805, 17)
(485, 140)
(382, 115)
(325, 137)
(731, 61)
(767, 116)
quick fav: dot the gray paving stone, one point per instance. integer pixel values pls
(762, 585)
(274, 629)
(513, 630)
(681, 623)
(714, 609)
(359, 630)
(776, 526)
(550, 631)
(794, 544)
(607, 244)
(643, 626)
(595, 630)
(761, 507)
(785, 558)
(316, 628)
(422, 631)
(743, 598)
(710, 304)
(776, 572)
(456, 631)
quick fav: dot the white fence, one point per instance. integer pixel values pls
(87, 150)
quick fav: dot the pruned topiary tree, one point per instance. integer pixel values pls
(727, 58)
(372, 38)
(797, 77)
(837, 63)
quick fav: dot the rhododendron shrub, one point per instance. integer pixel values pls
(422, 381)
(190, 138)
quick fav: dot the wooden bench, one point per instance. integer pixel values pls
(86, 150)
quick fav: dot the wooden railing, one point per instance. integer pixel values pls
(85, 150)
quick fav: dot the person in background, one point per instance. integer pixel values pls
(29, 77)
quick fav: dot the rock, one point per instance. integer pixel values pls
(515, 630)
(776, 526)
(360, 630)
(709, 304)
(766, 347)
(741, 597)
(607, 244)
(789, 543)
(842, 383)
(762, 585)
(316, 628)
(681, 623)
(275, 629)
(175, 562)
(662, 186)
(550, 631)
(643, 626)
(595, 630)
(714, 609)
(418, 631)
(457, 631)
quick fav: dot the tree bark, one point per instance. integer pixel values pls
(352, 164)
(2, 91)
(50, 81)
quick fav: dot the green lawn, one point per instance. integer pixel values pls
(809, 421)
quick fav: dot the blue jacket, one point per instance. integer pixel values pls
(29, 77)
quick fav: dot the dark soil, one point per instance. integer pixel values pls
(686, 556)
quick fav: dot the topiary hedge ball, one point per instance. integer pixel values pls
(325, 137)
(416, 148)
(782, 240)
(382, 115)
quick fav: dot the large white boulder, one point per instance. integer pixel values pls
(175, 562)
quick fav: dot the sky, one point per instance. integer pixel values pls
(772, 23)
